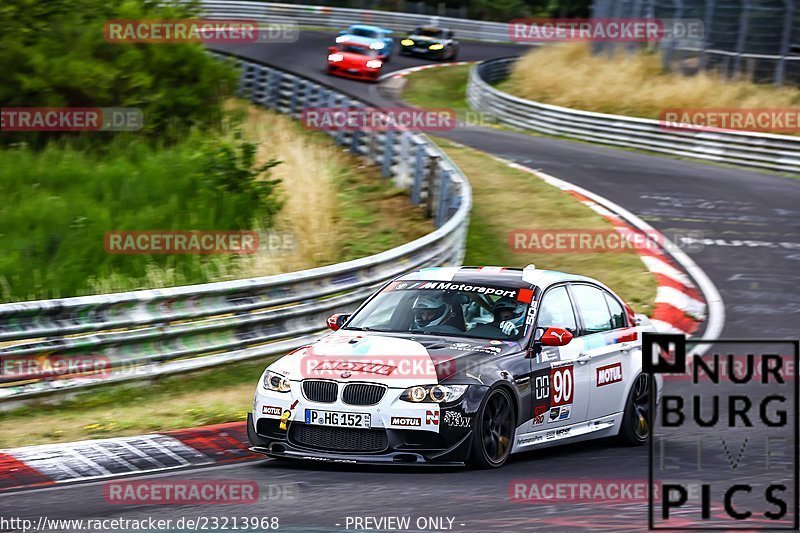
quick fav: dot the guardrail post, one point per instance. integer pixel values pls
(780, 68)
(355, 139)
(419, 172)
(388, 153)
(401, 178)
(294, 97)
(741, 41)
(444, 200)
(276, 81)
(432, 183)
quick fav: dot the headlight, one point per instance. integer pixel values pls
(434, 393)
(341, 38)
(276, 382)
(377, 46)
(335, 58)
(374, 63)
(407, 42)
(436, 46)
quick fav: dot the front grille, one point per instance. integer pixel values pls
(362, 394)
(339, 439)
(320, 391)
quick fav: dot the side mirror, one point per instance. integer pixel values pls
(337, 321)
(342, 32)
(450, 34)
(555, 337)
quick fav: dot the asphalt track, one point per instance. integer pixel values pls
(760, 286)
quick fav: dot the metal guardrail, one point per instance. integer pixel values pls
(339, 18)
(143, 334)
(748, 149)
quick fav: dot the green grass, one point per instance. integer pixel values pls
(59, 203)
(439, 87)
(538, 205)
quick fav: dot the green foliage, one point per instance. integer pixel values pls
(60, 201)
(54, 54)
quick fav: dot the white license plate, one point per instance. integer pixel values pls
(337, 418)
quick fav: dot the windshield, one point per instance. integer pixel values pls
(361, 32)
(430, 32)
(445, 308)
(355, 49)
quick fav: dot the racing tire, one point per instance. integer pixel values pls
(493, 434)
(637, 419)
(453, 54)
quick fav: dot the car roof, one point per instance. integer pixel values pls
(499, 276)
(366, 27)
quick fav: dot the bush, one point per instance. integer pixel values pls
(54, 54)
(60, 201)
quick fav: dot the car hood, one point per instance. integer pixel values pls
(425, 39)
(398, 361)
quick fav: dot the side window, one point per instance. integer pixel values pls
(592, 306)
(617, 313)
(556, 310)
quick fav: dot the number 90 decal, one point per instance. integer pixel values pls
(562, 385)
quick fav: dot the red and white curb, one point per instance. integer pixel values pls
(683, 300)
(50, 464)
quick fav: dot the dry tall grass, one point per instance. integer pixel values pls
(630, 84)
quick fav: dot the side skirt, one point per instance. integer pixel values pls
(604, 426)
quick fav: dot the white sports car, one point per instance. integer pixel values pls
(460, 365)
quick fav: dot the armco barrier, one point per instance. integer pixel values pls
(758, 150)
(339, 18)
(142, 334)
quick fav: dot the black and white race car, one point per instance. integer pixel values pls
(430, 41)
(460, 365)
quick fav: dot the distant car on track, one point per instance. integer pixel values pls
(354, 60)
(430, 41)
(375, 37)
(460, 365)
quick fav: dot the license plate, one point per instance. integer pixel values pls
(337, 418)
(352, 70)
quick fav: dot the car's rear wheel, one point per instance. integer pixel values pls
(636, 421)
(493, 434)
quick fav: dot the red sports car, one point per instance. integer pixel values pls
(354, 60)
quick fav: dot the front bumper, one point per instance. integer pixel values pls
(444, 435)
(425, 52)
(355, 74)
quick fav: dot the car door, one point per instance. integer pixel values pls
(559, 387)
(603, 322)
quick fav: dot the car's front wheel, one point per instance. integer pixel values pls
(493, 433)
(637, 420)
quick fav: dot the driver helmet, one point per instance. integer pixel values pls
(430, 310)
(508, 310)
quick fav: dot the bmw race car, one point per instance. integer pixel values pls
(460, 365)
(430, 41)
(374, 37)
(354, 60)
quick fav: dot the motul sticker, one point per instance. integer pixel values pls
(271, 410)
(406, 421)
(606, 375)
